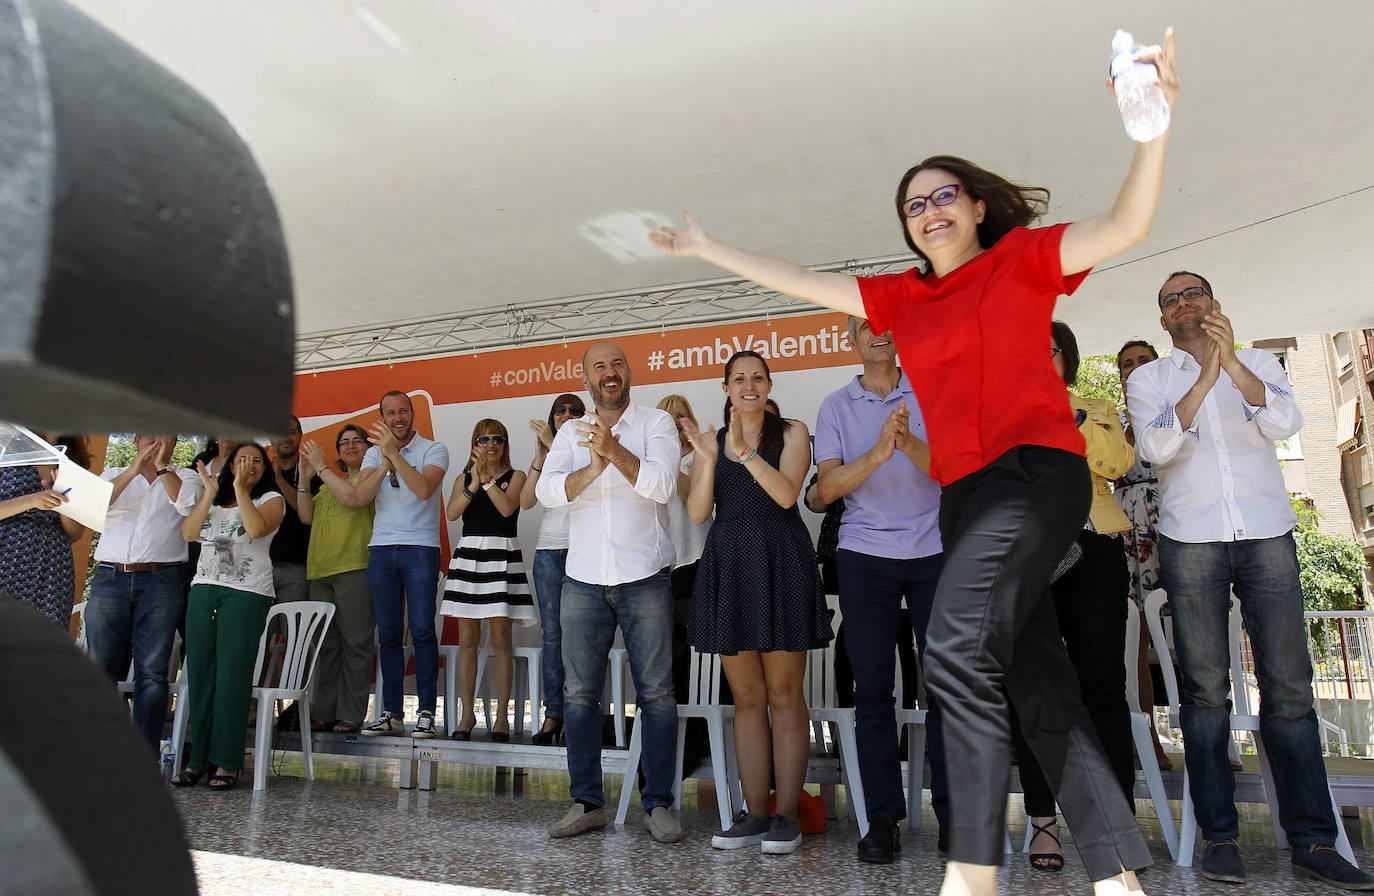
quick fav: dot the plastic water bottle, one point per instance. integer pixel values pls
(1144, 110)
(166, 753)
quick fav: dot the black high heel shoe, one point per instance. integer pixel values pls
(550, 737)
(190, 777)
(500, 737)
(460, 734)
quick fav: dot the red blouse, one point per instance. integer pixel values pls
(976, 347)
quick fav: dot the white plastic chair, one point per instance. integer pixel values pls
(1242, 719)
(819, 689)
(306, 623)
(530, 687)
(1143, 732)
(703, 702)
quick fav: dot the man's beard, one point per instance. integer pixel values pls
(598, 399)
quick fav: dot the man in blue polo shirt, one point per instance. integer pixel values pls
(870, 451)
(402, 473)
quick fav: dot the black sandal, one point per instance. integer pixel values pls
(1047, 861)
(224, 782)
(190, 777)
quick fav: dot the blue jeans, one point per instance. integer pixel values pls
(871, 593)
(405, 578)
(1264, 571)
(135, 615)
(548, 590)
(589, 615)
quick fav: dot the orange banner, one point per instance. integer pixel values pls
(801, 342)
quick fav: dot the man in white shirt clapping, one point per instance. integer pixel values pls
(617, 467)
(1207, 416)
(138, 589)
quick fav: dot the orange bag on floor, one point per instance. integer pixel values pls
(810, 812)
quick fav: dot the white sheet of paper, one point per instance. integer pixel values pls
(89, 498)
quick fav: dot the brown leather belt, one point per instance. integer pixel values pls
(138, 567)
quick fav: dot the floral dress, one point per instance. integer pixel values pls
(1138, 494)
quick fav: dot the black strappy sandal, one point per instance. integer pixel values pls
(224, 782)
(1051, 862)
(190, 777)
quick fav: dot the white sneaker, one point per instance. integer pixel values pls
(424, 726)
(745, 830)
(386, 725)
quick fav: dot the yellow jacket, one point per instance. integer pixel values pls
(1109, 457)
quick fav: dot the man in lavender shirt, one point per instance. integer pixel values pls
(869, 451)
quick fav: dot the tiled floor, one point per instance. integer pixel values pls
(351, 831)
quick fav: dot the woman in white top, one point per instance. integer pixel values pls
(550, 558)
(234, 522)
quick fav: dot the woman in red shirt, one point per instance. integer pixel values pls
(973, 318)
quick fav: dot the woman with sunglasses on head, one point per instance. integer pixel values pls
(970, 320)
(235, 520)
(336, 567)
(550, 559)
(486, 578)
(758, 600)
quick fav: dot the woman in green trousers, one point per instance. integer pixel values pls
(234, 522)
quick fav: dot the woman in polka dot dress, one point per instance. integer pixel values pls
(758, 600)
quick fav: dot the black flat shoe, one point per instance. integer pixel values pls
(190, 777)
(550, 737)
(224, 782)
(882, 843)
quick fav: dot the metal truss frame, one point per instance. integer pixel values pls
(575, 317)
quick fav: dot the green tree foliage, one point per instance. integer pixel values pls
(1098, 378)
(1331, 568)
(120, 452)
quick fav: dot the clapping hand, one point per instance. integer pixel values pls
(543, 433)
(242, 470)
(1218, 326)
(479, 464)
(313, 456)
(207, 480)
(381, 436)
(145, 461)
(703, 443)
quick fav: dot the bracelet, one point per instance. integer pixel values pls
(536, 469)
(745, 458)
(467, 494)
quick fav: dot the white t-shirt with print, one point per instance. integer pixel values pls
(228, 557)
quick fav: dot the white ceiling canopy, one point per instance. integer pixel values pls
(433, 158)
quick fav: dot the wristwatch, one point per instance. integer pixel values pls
(486, 486)
(164, 470)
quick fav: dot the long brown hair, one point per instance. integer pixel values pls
(489, 427)
(771, 435)
(1008, 204)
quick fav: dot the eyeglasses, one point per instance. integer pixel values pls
(913, 207)
(1056, 352)
(1192, 294)
(567, 409)
(351, 442)
(483, 441)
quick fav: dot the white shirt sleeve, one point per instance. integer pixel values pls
(191, 493)
(1279, 418)
(551, 489)
(1158, 433)
(658, 468)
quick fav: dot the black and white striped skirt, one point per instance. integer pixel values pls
(486, 579)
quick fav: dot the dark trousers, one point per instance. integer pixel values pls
(871, 593)
(993, 636)
(1090, 603)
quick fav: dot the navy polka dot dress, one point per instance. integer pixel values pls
(758, 586)
(35, 552)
